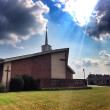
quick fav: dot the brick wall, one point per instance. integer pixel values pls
(49, 84)
(37, 67)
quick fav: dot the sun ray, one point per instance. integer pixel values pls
(80, 10)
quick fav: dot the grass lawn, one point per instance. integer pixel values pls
(97, 98)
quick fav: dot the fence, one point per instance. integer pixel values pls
(43, 84)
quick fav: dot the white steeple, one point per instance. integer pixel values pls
(46, 39)
(46, 47)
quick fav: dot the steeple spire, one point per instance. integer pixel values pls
(46, 47)
(46, 38)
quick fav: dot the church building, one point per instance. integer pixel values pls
(48, 64)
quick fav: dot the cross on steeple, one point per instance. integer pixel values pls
(46, 47)
(7, 71)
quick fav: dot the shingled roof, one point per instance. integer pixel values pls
(72, 71)
(32, 55)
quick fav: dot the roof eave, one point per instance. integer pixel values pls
(73, 72)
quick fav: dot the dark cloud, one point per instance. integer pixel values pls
(104, 55)
(86, 63)
(89, 63)
(99, 25)
(19, 19)
(107, 64)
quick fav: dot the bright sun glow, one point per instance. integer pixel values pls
(81, 10)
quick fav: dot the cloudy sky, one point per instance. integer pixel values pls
(81, 25)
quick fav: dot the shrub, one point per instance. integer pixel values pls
(23, 82)
(32, 83)
(16, 83)
(2, 88)
(27, 82)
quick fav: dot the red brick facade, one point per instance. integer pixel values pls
(38, 66)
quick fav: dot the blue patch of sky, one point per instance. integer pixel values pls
(62, 32)
(71, 34)
(93, 13)
(32, 45)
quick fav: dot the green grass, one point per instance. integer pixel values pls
(97, 98)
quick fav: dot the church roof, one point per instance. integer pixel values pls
(1, 59)
(35, 54)
(72, 71)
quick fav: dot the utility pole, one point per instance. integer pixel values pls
(84, 73)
